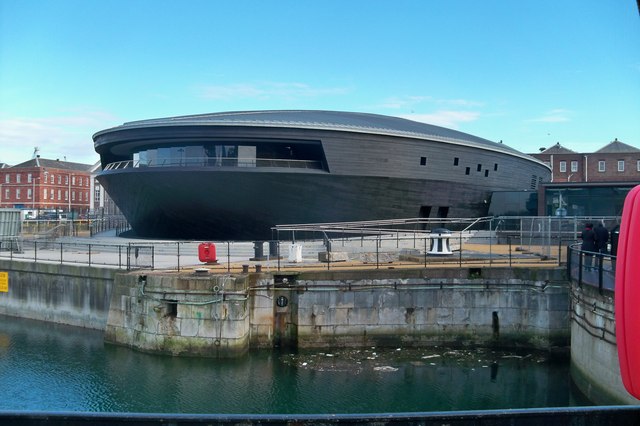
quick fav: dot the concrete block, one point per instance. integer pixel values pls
(333, 256)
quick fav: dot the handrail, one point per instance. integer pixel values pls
(217, 162)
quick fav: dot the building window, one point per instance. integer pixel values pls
(456, 160)
(563, 166)
(59, 179)
(7, 178)
(486, 173)
(29, 194)
(495, 167)
(601, 166)
(66, 195)
(479, 168)
(467, 170)
(621, 165)
(29, 177)
(17, 193)
(52, 193)
(423, 161)
(574, 166)
(638, 165)
(18, 178)
(7, 195)
(59, 195)
(547, 163)
(53, 180)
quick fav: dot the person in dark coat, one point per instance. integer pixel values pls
(602, 238)
(588, 244)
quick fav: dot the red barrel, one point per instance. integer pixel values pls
(207, 253)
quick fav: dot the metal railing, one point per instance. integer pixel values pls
(478, 242)
(217, 162)
(589, 268)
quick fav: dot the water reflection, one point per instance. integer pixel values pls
(51, 367)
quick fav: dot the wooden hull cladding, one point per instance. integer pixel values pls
(228, 177)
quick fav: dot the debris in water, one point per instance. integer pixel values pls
(386, 368)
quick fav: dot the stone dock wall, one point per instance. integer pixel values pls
(226, 315)
(64, 294)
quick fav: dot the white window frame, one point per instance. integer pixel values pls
(574, 166)
(602, 166)
(621, 165)
(638, 165)
(563, 167)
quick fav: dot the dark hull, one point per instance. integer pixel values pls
(245, 205)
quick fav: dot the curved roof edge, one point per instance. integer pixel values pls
(356, 122)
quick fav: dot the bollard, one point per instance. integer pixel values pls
(245, 269)
(258, 268)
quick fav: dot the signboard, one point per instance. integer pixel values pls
(4, 282)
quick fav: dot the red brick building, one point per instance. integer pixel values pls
(615, 162)
(41, 185)
(585, 184)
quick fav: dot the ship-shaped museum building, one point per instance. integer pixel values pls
(235, 175)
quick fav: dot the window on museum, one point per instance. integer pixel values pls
(563, 166)
(574, 166)
(467, 170)
(495, 167)
(59, 179)
(66, 195)
(59, 194)
(621, 165)
(456, 160)
(17, 193)
(52, 193)
(601, 166)
(29, 194)
(638, 165)
(7, 178)
(486, 173)
(423, 161)
(7, 194)
(53, 180)
(29, 177)
(18, 178)
(44, 194)
(479, 167)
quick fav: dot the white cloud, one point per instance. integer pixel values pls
(554, 116)
(444, 118)
(267, 90)
(411, 102)
(65, 136)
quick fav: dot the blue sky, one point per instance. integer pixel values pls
(529, 72)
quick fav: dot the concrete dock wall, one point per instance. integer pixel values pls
(64, 294)
(594, 351)
(498, 307)
(180, 314)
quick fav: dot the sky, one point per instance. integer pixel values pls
(529, 73)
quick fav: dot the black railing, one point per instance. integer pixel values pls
(589, 268)
(217, 162)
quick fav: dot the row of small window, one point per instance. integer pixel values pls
(602, 166)
(18, 194)
(456, 162)
(51, 178)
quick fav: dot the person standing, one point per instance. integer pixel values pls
(589, 246)
(602, 238)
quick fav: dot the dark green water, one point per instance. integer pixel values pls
(57, 368)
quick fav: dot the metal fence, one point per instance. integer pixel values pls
(593, 269)
(481, 242)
